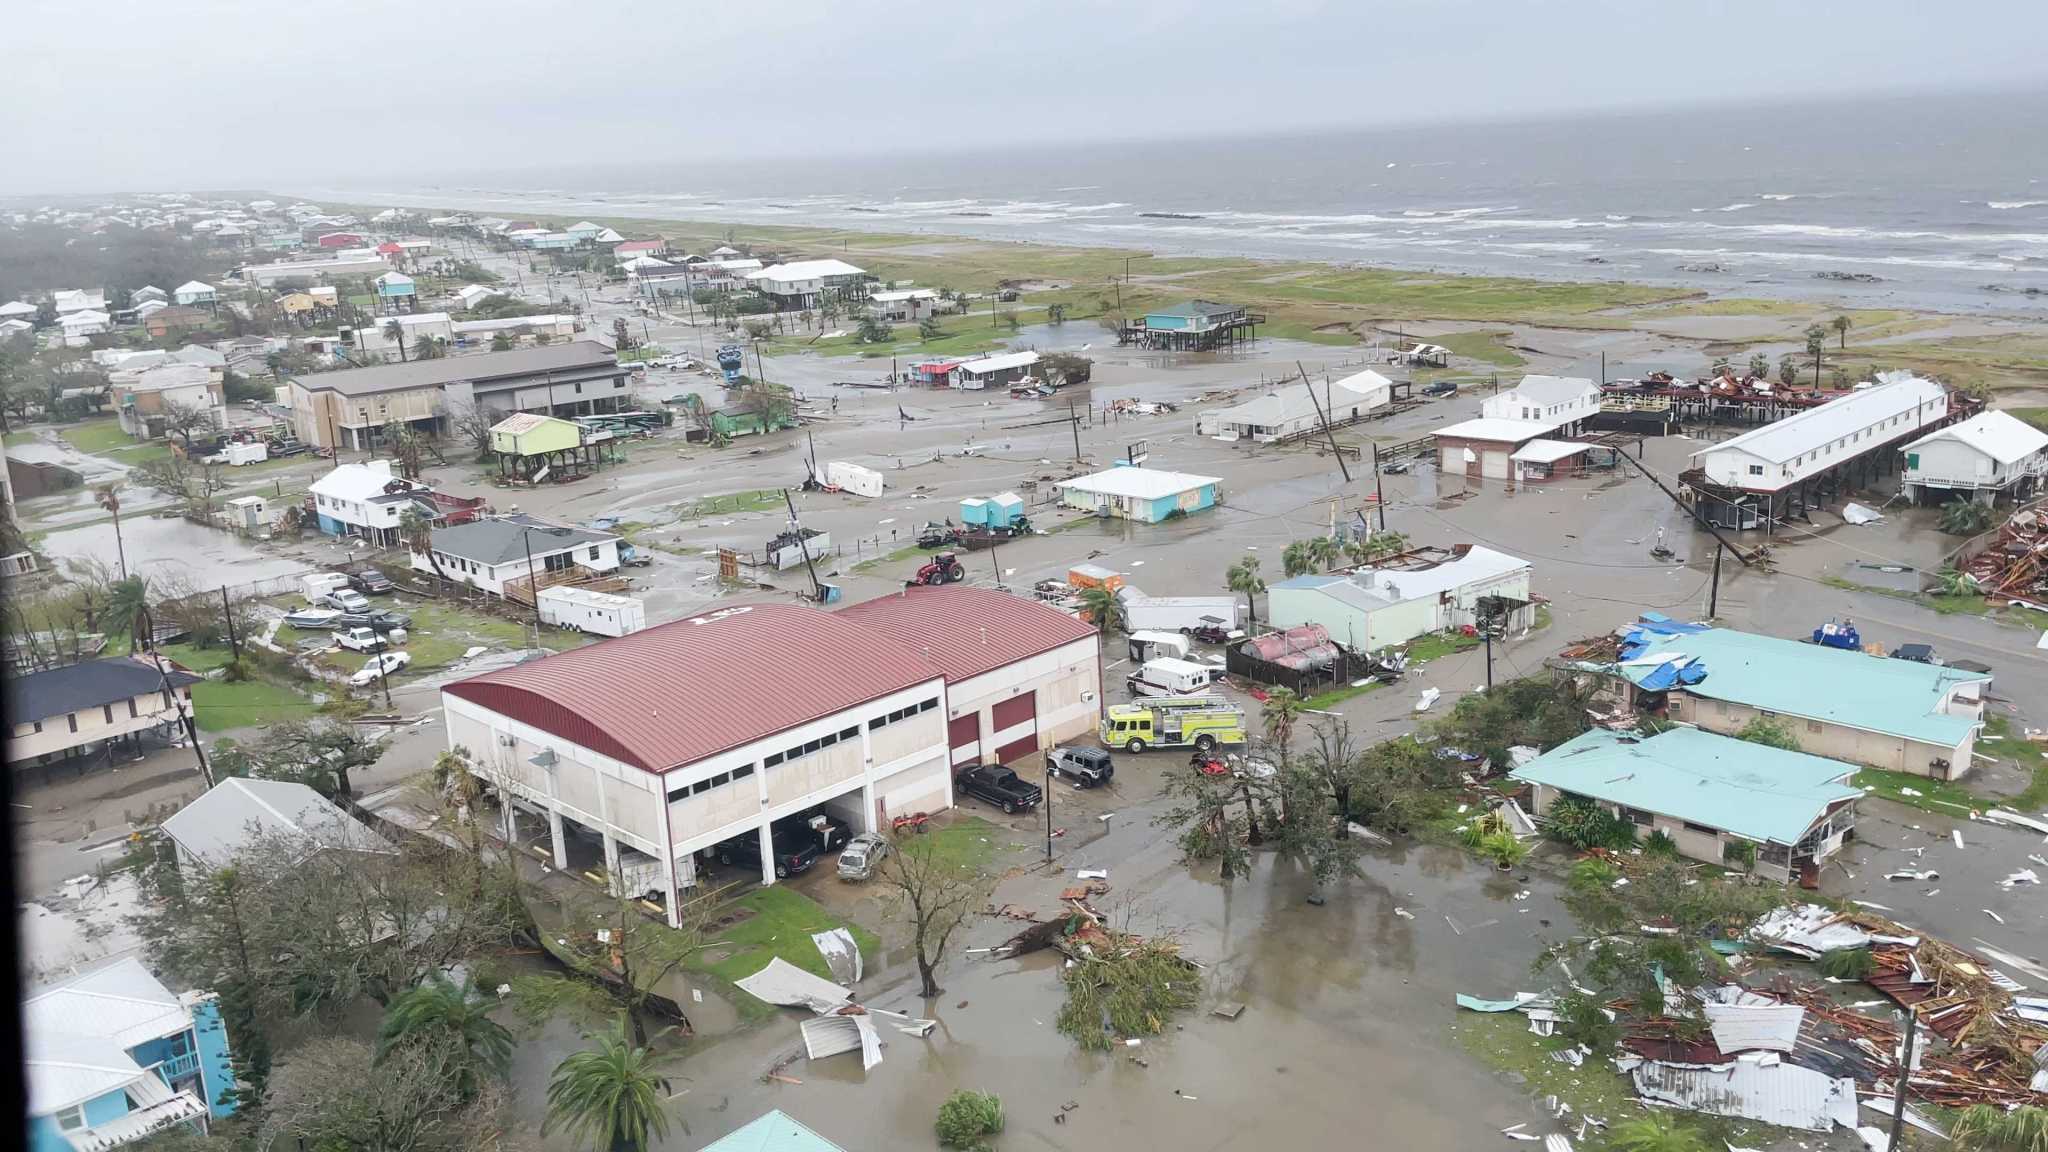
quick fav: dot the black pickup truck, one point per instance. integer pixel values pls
(1000, 787)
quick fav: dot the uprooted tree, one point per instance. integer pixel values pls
(935, 895)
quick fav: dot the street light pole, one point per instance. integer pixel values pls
(1048, 810)
(532, 581)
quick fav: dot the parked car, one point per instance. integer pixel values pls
(790, 858)
(348, 600)
(1394, 467)
(999, 786)
(1087, 767)
(370, 582)
(862, 855)
(360, 640)
(379, 666)
(1440, 388)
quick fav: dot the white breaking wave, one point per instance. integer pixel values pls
(1735, 207)
(2009, 205)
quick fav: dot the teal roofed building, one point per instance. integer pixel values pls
(776, 1131)
(1845, 705)
(1193, 326)
(1718, 798)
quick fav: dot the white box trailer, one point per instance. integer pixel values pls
(1181, 613)
(581, 610)
(242, 452)
(1166, 676)
(853, 478)
(318, 584)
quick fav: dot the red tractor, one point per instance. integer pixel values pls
(942, 568)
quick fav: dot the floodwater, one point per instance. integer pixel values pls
(164, 548)
(1344, 1020)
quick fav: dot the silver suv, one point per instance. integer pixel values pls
(1086, 767)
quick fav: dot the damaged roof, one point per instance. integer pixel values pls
(1751, 790)
(1894, 697)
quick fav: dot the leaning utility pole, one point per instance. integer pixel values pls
(1325, 421)
(1714, 594)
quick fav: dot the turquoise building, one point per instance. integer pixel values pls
(1147, 495)
(113, 1056)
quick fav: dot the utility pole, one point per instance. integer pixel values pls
(532, 580)
(177, 701)
(1074, 422)
(386, 681)
(1379, 485)
(1899, 1088)
(1047, 798)
(804, 546)
(228, 614)
(1486, 630)
(1714, 594)
(1325, 421)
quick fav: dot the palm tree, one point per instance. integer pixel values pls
(128, 605)
(1816, 344)
(109, 497)
(393, 330)
(1965, 518)
(1992, 1129)
(1389, 544)
(1243, 577)
(1297, 559)
(417, 530)
(1104, 608)
(1323, 552)
(1358, 549)
(1283, 707)
(1841, 325)
(1950, 582)
(458, 1014)
(608, 1096)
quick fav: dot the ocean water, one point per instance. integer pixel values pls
(1926, 202)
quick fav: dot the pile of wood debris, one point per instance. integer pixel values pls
(2014, 565)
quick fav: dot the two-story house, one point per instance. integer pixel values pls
(113, 1056)
(58, 712)
(803, 283)
(1561, 403)
(489, 554)
(364, 500)
(1989, 454)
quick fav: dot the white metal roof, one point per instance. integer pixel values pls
(79, 1032)
(808, 270)
(192, 286)
(588, 597)
(1498, 429)
(218, 824)
(904, 294)
(1804, 432)
(1548, 451)
(1555, 389)
(998, 363)
(1138, 483)
(2000, 435)
(1477, 565)
(356, 482)
(17, 308)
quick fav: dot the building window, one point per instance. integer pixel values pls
(73, 718)
(593, 551)
(849, 733)
(1756, 469)
(1702, 829)
(109, 710)
(771, 760)
(579, 387)
(1813, 725)
(1639, 817)
(132, 713)
(742, 772)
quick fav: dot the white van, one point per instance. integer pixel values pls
(1168, 676)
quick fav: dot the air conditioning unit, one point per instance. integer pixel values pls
(507, 740)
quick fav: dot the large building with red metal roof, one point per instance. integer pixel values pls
(667, 743)
(1021, 675)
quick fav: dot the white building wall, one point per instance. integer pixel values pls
(1067, 682)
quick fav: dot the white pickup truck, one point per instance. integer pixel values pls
(360, 640)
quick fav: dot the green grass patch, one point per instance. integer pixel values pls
(1423, 649)
(198, 659)
(20, 436)
(1323, 701)
(757, 500)
(1486, 345)
(1938, 796)
(898, 556)
(1969, 605)
(1502, 1041)
(2038, 417)
(96, 436)
(971, 845)
(1310, 334)
(781, 924)
(219, 705)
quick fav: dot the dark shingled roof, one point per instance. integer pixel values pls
(481, 368)
(504, 539)
(86, 685)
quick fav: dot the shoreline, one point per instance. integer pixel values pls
(1355, 306)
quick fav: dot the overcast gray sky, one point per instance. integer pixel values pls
(155, 94)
